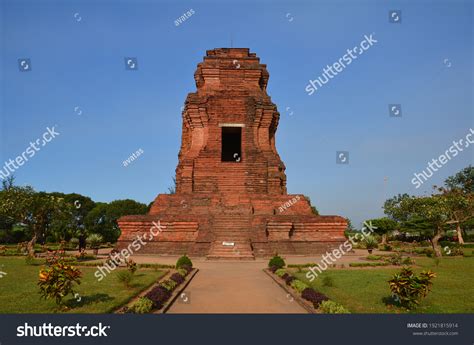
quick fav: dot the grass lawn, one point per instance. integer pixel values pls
(19, 292)
(365, 290)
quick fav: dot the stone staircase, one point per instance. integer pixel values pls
(231, 238)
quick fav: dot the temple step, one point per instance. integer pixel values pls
(231, 250)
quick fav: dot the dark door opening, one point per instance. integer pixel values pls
(231, 144)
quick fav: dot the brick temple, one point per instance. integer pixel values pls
(231, 199)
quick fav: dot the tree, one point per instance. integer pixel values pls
(433, 209)
(383, 226)
(463, 180)
(103, 218)
(460, 207)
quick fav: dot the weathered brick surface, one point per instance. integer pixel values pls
(245, 201)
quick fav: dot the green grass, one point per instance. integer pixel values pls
(19, 292)
(366, 290)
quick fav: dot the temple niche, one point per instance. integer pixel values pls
(230, 180)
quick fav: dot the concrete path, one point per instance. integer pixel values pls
(234, 287)
(237, 286)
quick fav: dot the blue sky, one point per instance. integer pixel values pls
(77, 51)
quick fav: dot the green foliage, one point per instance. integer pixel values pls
(331, 307)
(142, 306)
(370, 242)
(383, 225)
(298, 285)
(463, 180)
(94, 240)
(125, 277)
(368, 264)
(74, 242)
(373, 257)
(184, 261)
(280, 272)
(169, 284)
(327, 281)
(56, 281)
(277, 261)
(102, 219)
(182, 272)
(408, 289)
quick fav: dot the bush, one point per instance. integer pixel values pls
(386, 247)
(313, 296)
(182, 272)
(276, 261)
(408, 288)
(169, 285)
(125, 277)
(370, 242)
(373, 257)
(177, 278)
(298, 285)
(74, 242)
(289, 279)
(142, 306)
(367, 264)
(273, 269)
(280, 272)
(94, 241)
(328, 281)
(56, 281)
(331, 307)
(184, 262)
(158, 295)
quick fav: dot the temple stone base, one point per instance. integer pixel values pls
(237, 229)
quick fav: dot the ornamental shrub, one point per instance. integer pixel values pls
(298, 285)
(331, 307)
(276, 261)
(408, 289)
(313, 296)
(280, 272)
(56, 281)
(177, 278)
(158, 295)
(169, 285)
(125, 277)
(142, 306)
(183, 262)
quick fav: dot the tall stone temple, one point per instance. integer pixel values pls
(231, 199)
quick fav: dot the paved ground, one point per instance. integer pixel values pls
(237, 287)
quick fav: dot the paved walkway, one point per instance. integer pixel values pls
(236, 286)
